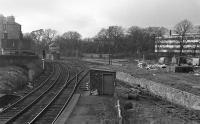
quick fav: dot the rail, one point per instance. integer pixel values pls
(42, 83)
(26, 102)
(56, 97)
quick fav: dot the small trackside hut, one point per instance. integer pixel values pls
(102, 81)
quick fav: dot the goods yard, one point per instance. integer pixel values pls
(136, 76)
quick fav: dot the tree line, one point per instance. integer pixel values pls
(134, 41)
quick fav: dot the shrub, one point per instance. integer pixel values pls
(128, 105)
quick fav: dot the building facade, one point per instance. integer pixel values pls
(10, 35)
(171, 45)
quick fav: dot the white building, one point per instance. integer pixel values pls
(171, 44)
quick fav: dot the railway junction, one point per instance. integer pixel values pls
(71, 91)
(43, 87)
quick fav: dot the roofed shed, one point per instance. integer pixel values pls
(103, 81)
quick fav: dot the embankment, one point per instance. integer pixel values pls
(16, 71)
(173, 95)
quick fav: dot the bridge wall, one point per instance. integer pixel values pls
(6, 60)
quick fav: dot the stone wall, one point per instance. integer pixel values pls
(92, 55)
(30, 63)
(173, 95)
(6, 60)
(17, 71)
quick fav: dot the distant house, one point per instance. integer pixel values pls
(10, 34)
(54, 48)
(54, 51)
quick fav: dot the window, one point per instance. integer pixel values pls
(4, 27)
(5, 35)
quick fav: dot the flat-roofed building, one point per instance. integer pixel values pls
(171, 44)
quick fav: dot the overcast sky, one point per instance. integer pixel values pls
(89, 16)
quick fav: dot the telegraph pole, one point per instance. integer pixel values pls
(43, 57)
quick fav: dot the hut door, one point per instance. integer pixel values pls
(108, 84)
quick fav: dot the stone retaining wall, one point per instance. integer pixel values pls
(7, 60)
(17, 71)
(173, 95)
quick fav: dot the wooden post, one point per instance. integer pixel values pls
(119, 112)
(43, 64)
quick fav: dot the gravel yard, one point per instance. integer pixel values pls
(148, 109)
(183, 81)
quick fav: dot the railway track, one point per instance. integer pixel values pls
(49, 66)
(23, 104)
(38, 82)
(44, 104)
(51, 113)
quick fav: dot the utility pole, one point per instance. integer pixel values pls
(43, 57)
(109, 59)
(110, 55)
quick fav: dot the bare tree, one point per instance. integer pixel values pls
(198, 29)
(101, 39)
(157, 34)
(102, 35)
(134, 38)
(72, 35)
(74, 39)
(49, 35)
(37, 36)
(28, 42)
(116, 35)
(182, 28)
(115, 32)
(157, 31)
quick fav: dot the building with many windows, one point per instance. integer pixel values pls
(171, 45)
(10, 35)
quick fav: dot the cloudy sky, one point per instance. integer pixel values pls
(89, 16)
